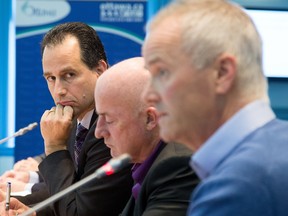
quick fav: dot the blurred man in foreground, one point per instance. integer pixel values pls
(208, 85)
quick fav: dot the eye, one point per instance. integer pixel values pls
(69, 75)
(162, 74)
(50, 78)
(109, 122)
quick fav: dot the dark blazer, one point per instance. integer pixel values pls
(167, 186)
(102, 197)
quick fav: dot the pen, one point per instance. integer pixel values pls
(8, 194)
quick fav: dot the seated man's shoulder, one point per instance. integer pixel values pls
(173, 163)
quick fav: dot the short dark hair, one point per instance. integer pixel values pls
(92, 49)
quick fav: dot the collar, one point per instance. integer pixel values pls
(229, 136)
(139, 171)
(85, 122)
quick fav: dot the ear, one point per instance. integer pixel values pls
(101, 67)
(152, 118)
(226, 73)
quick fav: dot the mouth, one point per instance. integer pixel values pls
(66, 103)
(109, 146)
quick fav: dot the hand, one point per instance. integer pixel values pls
(16, 186)
(2, 196)
(29, 164)
(56, 127)
(17, 175)
(16, 207)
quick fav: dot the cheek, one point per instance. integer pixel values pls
(117, 136)
(85, 89)
(54, 96)
(171, 92)
(51, 88)
(121, 146)
(120, 143)
(86, 95)
(168, 92)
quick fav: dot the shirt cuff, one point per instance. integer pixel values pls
(28, 187)
(34, 177)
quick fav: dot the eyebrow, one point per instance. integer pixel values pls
(152, 60)
(46, 74)
(63, 71)
(101, 113)
(105, 114)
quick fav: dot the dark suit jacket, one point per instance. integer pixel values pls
(167, 186)
(103, 197)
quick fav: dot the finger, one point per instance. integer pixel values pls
(30, 159)
(59, 110)
(68, 112)
(9, 173)
(19, 165)
(46, 114)
(15, 204)
(52, 111)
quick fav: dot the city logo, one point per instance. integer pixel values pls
(39, 12)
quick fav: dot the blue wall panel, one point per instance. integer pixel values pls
(5, 11)
(6, 23)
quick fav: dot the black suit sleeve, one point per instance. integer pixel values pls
(39, 193)
(101, 197)
(166, 190)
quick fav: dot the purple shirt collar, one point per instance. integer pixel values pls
(139, 171)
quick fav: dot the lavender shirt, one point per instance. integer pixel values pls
(139, 171)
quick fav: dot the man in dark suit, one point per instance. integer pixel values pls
(73, 59)
(163, 178)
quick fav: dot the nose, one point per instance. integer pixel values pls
(59, 88)
(100, 130)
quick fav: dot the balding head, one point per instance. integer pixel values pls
(125, 80)
(126, 122)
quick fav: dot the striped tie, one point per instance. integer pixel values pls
(81, 133)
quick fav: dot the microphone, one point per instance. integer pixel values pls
(20, 132)
(112, 166)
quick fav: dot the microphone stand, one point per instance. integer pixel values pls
(57, 196)
(112, 166)
(20, 132)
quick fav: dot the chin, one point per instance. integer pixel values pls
(113, 154)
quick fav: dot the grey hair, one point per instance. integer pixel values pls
(209, 28)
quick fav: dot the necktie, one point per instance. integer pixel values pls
(81, 133)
